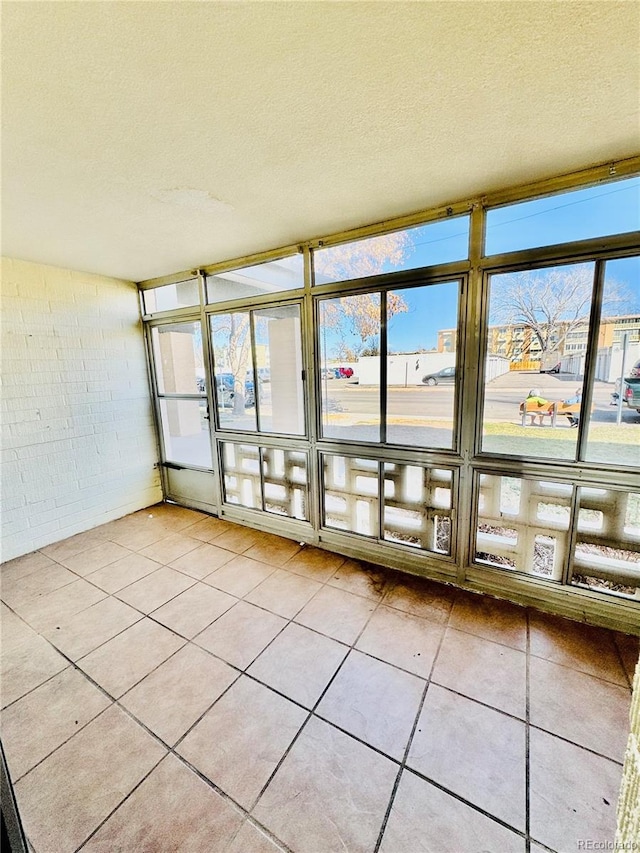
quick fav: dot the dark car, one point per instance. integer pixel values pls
(554, 369)
(225, 385)
(447, 374)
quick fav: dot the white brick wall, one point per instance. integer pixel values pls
(78, 443)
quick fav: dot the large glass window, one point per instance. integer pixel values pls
(168, 297)
(611, 208)
(258, 370)
(177, 349)
(420, 361)
(424, 245)
(258, 280)
(535, 359)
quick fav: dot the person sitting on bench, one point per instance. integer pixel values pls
(534, 398)
(576, 400)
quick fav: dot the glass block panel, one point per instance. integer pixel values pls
(185, 432)
(351, 494)
(599, 211)
(177, 350)
(607, 554)
(286, 490)
(423, 245)
(184, 294)
(233, 367)
(258, 280)
(523, 525)
(417, 507)
(279, 369)
(241, 472)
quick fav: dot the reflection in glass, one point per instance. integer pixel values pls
(185, 432)
(598, 211)
(424, 245)
(258, 280)
(421, 365)
(536, 350)
(184, 294)
(235, 386)
(349, 337)
(278, 348)
(614, 422)
(177, 349)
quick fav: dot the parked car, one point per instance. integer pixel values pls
(554, 369)
(346, 372)
(447, 374)
(225, 385)
(635, 370)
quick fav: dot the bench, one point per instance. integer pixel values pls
(535, 409)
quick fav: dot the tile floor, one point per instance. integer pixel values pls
(176, 682)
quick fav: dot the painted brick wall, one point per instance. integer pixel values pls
(78, 443)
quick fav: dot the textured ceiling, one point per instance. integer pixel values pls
(140, 139)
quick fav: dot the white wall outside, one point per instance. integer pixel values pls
(78, 443)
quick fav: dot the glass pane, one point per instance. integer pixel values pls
(536, 349)
(607, 554)
(417, 507)
(614, 421)
(421, 365)
(177, 349)
(184, 294)
(599, 211)
(235, 387)
(285, 482)
(349, 331)
(534, 536)
(185, 430)
(279, 368)
(258, 280)
(241, 475)
(424, 245)
(351, 494)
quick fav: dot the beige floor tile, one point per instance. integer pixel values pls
(239, 742)
(473, 751)
(136, 534)
(173, 517)
(202, 561)
(315, 563)
(251, 840)
(95, 558)
(171, 698)
(75, 544)
(194, 609)
(573, 793)
(273, 550)
(155, 589)
(170, 548)
(579, 707)
(573, 644)
(239, 539)
(172, 810)
(361, 579)
(13, 570)
(208, 529)
(299, 663)
(123, 572)
(64, 798)
(81, 633)
(629, 648)
(47, 611)
(425, 819)
(403, 640)
(375, 702)
(48, 716)
(18, 592)
(482, 670)
(421, 597)
(13, 629)
(240, 575)
(490, 618)
(283, 593)
(241, 633)
(343, 801)
(128, 658)
(337, 613)
(27, 664)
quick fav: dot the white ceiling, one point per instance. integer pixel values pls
(141, 139)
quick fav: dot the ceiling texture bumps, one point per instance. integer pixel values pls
(140, 139)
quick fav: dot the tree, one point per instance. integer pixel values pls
(233, 341)
(362, 258)
(550, 304)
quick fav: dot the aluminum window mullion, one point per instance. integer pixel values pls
(252, 332)
(590, 361)
(382, 349)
